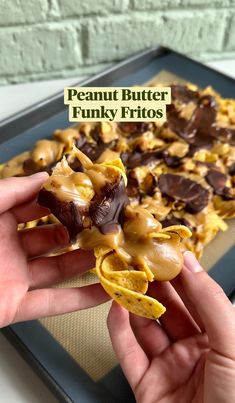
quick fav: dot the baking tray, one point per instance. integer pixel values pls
(57, 368)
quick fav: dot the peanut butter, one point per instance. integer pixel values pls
(66, 136)
(46, 152)
(14, 167)
(134, 245)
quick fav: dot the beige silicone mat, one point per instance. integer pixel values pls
(84, 334)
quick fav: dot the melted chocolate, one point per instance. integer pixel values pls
(225, 135)
(30, 167)
(194, 195)
(106, 209)
(171, 161)
(132, 186)
(74, 163)
(133, 128)
(66, 212)
(232, 169)
(183, 94)
(137, 158)
(217, 180)
(175, 221)
(201, 130)
(81, 140)
(93, 151)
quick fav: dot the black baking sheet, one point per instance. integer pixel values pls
(68, 381)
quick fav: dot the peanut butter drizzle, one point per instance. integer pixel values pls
(46, 152)
(14, 167)
(66, 136)
(134, 244)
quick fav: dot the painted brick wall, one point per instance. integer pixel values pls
(42, 39)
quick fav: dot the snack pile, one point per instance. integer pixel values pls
(178, 175)
(182, 172)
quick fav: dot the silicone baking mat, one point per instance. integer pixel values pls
(84, 335)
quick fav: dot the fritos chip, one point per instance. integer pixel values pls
(133, 301)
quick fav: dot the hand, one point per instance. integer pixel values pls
(189, 356)
(25, 274)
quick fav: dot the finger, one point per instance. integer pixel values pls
(55, 301)
(132, 358)
(43, 239)
(176, 321)
(16, 191)
(150, 335)
(211, 304)
(177, 284)
(46, 271)
(29, 211)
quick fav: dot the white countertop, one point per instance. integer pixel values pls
(18, 382)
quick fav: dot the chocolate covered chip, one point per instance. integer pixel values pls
(195, 196)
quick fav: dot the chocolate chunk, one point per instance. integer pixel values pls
(74, 163)
(195, 196)
(133, 128)
(199, 126)
(66, 212)
(225, 135)
(184, 94)
(81, 140)
(171, 161)
(106, 209)
(137, 158)
(95, 133)
(93, 151)
(176, 123)
(232, 169)
(218, 180)
(31, 167)
(132, 186)
(175, 221)
(201, 130)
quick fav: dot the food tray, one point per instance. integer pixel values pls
(48, 356)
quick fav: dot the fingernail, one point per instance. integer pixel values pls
(191, 262)
(40, 175)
